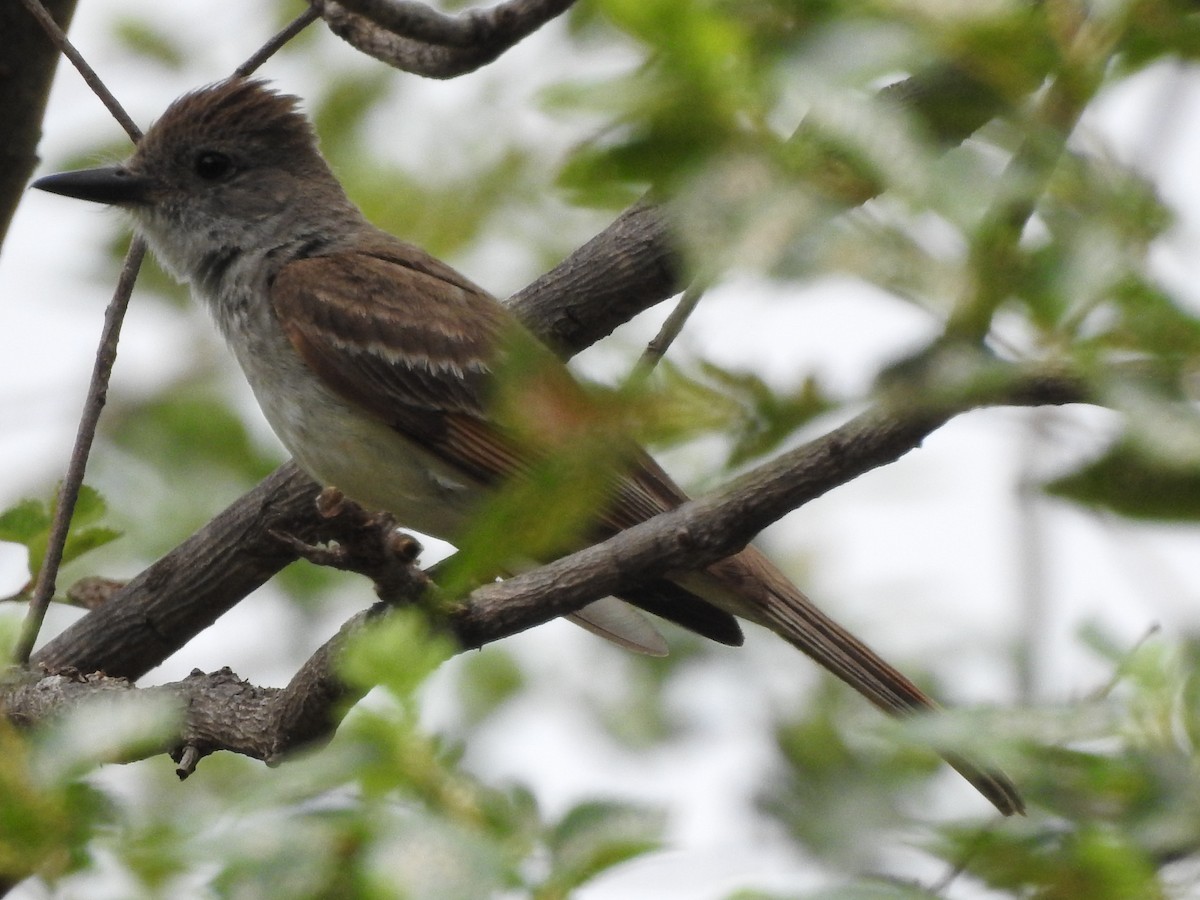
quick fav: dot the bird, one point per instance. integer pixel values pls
(378, 367)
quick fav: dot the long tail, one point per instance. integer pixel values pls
(756, 590)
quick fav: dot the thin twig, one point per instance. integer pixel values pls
(89, 74)
(997, 239)
(271, 47)
(106, 354)
(671, 328)
(68, 493)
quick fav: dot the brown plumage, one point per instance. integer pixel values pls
(374, 364)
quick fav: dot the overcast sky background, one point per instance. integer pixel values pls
(923, 559)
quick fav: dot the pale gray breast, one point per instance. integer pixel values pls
(336, 443)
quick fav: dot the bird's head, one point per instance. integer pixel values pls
(234, 164)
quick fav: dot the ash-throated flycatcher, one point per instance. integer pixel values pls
(373, 363)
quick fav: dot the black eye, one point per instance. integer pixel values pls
(211, 165)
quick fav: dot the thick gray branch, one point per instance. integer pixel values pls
(192, 586)
(214, 711)
(219, 711)
(415, 38)
(627, 268)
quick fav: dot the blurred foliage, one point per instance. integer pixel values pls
(635, 711)
(191, 432)
(1117, 812)
(1129, 481)
(152, 42)
(388, 810)
(384, 811)
(680, 405)
(918, 147)
(28, 523)
(1112, 784)
(48, 825)
(834, 796)
(487, 680)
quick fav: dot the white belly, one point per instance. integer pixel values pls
(339, 446)
(372, 464)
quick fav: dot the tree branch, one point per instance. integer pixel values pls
(187, 590)
(58, 37)
(219, 711)
(415, 38)
(268, 723)
(85, 434)
(710, 528)
(627, 268)
(276, 42)
(216, 711)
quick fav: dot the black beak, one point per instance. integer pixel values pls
(114, 185)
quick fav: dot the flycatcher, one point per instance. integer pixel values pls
(376, 366)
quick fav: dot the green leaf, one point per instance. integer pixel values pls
(1151, 321)
(769, 417)
(1006, 47)
(1156, 30)
(702, 90)
(1190, 706)
(28, 523)
(1093, 861)
(87, 539)
(537, 516)
(398, 651)
(572, 445)
(46, 826)
(25, 522)
(593, 837)
(1131, 482)
(85, 534)
(678, 406)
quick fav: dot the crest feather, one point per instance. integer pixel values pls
(239, 112)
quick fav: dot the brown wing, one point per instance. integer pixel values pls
(413, 341)
(408, 338)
